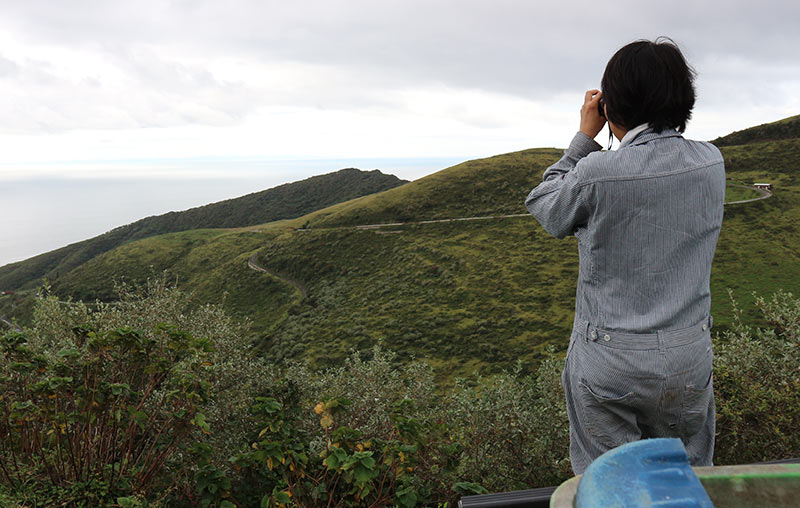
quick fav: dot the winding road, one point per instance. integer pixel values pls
(764, 194)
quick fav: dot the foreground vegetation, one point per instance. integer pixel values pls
(154, 401)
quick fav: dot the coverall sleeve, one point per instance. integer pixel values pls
(558, 202)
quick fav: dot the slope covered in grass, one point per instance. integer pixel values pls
(212, 264)
(491, 186)
(463, 295)
(758, 246)
(281, 202)
(788, 128)
(485, 294)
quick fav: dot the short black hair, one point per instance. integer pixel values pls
(649, 82)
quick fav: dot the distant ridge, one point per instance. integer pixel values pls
(282, 202)
(788, 128)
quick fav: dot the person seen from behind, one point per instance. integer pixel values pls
(647, 217)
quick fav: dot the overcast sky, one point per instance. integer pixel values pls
(103, 87)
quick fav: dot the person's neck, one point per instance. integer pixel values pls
(631, 134)
(619, 132)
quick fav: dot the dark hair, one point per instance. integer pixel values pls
(649, 82)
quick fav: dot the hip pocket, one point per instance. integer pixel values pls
(611, 421)
(697, 402)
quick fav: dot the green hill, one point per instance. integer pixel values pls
(465, 295)
(492, 186)
(788, 128)
(282, 202)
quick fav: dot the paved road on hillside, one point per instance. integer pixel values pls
(764, 194)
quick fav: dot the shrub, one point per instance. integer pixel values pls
(499, 433)
(374, 383)
(368, 433)
(756, 384)
(513, 427)
(351, 470)
(141, 378)
(100, 417)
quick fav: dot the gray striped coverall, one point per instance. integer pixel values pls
(647, 217)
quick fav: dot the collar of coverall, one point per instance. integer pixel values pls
(631, 134)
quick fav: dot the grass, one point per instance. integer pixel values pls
(491, 186)
(788, 128)
(453, 293)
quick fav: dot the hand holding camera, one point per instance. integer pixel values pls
(592, 113)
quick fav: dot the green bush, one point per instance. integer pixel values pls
(100, 417)
(351, 470)
(420, 447)
(514, 428)
(115, 394)
(368, 433)
(757, 382)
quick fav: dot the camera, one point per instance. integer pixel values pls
(601, 107)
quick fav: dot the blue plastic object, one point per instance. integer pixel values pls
(652, 472)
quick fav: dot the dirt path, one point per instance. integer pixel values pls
(253, 264)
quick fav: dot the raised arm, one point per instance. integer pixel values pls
(558, 203)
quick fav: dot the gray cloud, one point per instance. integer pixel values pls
(502, 41)
(527, 49)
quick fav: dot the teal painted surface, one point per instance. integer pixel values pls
(652, 472)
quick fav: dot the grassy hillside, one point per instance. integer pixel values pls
(788, 128)
(485, 294)
(210, 263)
(282, 202)
(758, 244)
(491, 186)
(464, 295)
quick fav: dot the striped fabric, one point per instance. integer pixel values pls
(622, 387)
(647, 218)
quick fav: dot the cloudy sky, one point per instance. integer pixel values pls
(112, 110)
(113, 87)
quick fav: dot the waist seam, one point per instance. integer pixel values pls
(658, 340)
